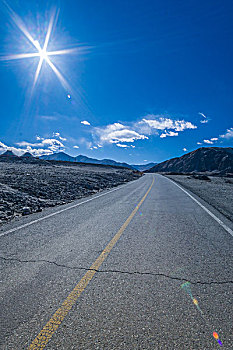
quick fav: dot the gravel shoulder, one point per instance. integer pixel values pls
(28, 188)
(217, 191)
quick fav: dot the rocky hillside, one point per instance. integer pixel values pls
(216, 160)
(30, 187)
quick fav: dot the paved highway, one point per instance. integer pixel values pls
(144, 266)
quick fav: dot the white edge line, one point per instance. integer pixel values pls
(60, 211)
(220, 222)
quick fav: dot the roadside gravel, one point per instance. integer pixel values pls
(28, 188)
(217, 192)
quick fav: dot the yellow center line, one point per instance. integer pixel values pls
(52, 325)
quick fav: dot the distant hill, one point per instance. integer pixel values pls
(9, 154)
(143, 167)
(61, 156)
(10, 157)
(26, 155)
(217, 160)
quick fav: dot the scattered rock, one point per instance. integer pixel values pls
(26, 211)
(216, 192)
(228, 181)
(201, 177)
(27, 188)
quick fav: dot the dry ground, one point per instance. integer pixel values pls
(38, 186)
(218, 192)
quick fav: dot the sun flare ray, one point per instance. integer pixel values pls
(42, 52)
(59, 75)
(37, 72)
(63, 52)
(50, 28)
(20, 24)
(19, 56)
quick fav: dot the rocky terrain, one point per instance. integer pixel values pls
(216, 191)
(215, 160)
(28, 185)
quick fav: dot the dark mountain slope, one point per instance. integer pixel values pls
(62, 156)
(10, 157)
(27, 155)
(204, 159)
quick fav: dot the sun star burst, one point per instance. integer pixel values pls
(41, 51)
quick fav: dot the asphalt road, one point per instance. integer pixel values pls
(126, 295)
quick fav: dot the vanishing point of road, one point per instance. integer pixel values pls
(146, 265)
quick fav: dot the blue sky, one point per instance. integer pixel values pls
(141, 80)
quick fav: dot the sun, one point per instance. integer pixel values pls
(42, 51)
(43, 55)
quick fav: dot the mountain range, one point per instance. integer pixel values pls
(64, 157)
(217, 160)
(27, 157)
(143, 167)
(61, 156)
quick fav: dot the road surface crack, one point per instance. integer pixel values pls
(157, 274)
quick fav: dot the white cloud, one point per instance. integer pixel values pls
(228, 134)
(45, 146)
(95, 147)
(115, 126)
(38, 138)
(120, 145)
(165, 123)
(203, 115)
(37, 152)
(57, 134)
(85, 122)
(51, 144)
(28, 144)
(208, 142)
(168, 133)
(185, 149)
(163, 126)
(211, 141)
(132, 146)
(205, 120)
(19, 151)
(199, 143)
(117, 133)
(76, 146)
